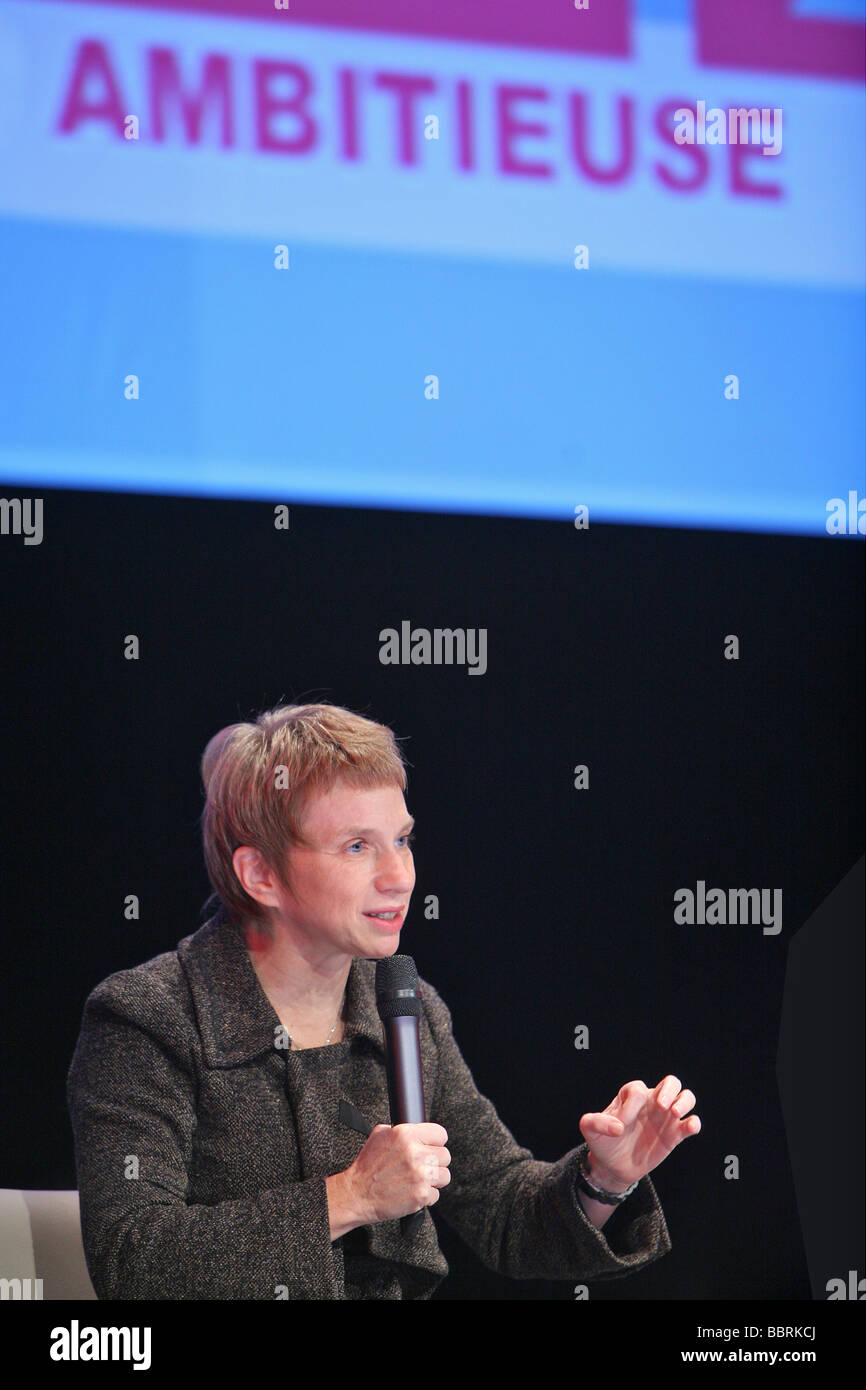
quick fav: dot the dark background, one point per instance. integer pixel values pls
(605, 647)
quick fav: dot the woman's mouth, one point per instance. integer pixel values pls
(389, 917)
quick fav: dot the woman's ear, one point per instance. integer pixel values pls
(254, 876)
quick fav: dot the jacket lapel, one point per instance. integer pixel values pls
(236, 1020)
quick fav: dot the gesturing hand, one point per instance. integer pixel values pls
(637, 1131)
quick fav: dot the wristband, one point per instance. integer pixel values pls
(598, 1194)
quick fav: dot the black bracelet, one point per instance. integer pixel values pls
(598, 1194)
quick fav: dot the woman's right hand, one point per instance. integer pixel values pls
(399, 1170)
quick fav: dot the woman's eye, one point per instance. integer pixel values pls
(405, 839)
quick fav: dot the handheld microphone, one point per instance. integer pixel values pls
(398, 1000)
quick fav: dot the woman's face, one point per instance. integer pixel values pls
(357, 862)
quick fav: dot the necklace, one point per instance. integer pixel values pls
(336, 1021)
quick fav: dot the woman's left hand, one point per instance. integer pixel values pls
(637, 1131)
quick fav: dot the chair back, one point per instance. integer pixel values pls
(41, 1251)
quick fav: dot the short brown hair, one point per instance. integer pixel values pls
(312, 747)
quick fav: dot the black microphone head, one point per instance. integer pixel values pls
(398, 994)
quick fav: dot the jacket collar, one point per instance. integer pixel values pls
(236, 1019)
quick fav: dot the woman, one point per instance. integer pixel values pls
(229, 1099)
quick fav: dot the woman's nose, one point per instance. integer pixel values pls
(395, 869)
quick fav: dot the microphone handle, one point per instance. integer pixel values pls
(411, 1224)
(405, 1090)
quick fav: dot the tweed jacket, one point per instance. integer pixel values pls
(202, 1144)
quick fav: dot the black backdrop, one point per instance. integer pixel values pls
(605, 647)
